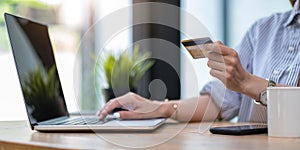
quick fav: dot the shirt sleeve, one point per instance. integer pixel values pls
(228, 101)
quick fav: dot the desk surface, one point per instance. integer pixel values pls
(17, 135)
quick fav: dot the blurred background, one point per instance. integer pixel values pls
(70, 20)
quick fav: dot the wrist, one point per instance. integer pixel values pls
(167, 109)
(253, 86)
(263, 95)
(246, 84)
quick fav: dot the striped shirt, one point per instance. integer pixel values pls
(270, 49)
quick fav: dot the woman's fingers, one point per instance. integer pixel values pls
(220, 42)
(137, 106)
(218, 74)
(218, 48)
(129, 115)
(128, 101)
(216, 65)
(215, 57)
(136, 115)
(108, 108)
(225, 65)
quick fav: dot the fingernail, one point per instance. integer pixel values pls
(98, 113)
(116, 115)
(101, 117)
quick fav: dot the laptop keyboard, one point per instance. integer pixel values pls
(81, 121)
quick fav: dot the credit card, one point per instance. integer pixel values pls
(195, 46)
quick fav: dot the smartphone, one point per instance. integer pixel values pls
(194, 46)
(240, 130)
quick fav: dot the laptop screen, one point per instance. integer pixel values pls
(36, 69)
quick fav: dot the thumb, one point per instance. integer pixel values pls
(128, 115)
(220, 42)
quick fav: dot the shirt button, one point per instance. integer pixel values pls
(275, 72)
(289, 27)
(291, 48)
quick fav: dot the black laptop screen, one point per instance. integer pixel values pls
(36, 69)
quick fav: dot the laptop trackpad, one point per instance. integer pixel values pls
(135, 123)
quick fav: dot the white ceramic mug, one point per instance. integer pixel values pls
(283, 111)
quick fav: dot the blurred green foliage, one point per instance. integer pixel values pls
(11, 6)
(40, 85)
(125, 69)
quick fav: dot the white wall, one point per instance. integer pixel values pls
(195, 73)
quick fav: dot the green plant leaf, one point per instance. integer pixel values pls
(125, 69)
(30, 3)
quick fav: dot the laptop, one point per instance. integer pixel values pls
(42, 92)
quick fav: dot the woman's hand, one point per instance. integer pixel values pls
(137, 106)
(225, 65)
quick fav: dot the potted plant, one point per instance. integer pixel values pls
(123, 71)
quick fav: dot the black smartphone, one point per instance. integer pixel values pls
(240, 130)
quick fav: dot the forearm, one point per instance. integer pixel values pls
(191, 110)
